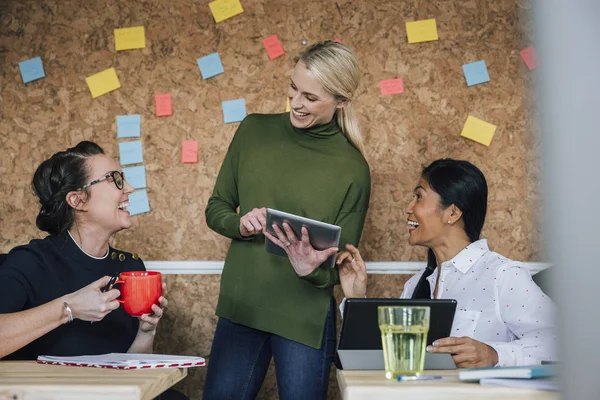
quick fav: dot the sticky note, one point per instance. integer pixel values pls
(210, 65)
(391, 86)
(131, 152)
(32, 70)
(337, 40)
(234, 110)
(136, 176)
(189, 151)
(223, 9)
(163, 105)
(273, 47)
(287, 105)
(103, 82)
(421, 31)
(128, 126)
(130, 38)
(138, 202)
(476, 73)
(478, 130)
(529, 55)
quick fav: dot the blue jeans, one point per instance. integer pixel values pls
(240, 357)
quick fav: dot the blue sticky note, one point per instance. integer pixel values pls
(476, 73)
(32, 69)
(210, 65)
(136, 176)
(138, 202)
(131, 152)
(128, 126)
(234, 110)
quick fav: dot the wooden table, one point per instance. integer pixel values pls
(356, 385)
(27, 380)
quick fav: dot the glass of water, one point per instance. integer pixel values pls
(404, 338)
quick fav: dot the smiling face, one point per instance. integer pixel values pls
(427, 221)
(106, 205)
(310, 104)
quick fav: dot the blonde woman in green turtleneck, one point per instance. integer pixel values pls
(307, 162)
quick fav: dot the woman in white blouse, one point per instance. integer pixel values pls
(503, 317)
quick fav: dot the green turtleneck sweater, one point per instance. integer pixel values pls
(315, 173)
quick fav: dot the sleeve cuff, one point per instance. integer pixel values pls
(508, 353)
(323, 277)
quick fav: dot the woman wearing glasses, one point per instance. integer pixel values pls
(51, 289)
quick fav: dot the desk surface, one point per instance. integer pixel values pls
(29, 380)
(356, 385)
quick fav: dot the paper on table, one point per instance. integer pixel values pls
(540, 383)
(126, 361)
(224, 9)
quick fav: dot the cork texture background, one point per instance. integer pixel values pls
(75, 39)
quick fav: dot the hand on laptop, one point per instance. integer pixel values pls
(353, 272)
(304, 258)
(466, 352)
(253, 223)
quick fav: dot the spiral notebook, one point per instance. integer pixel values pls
(126, 361)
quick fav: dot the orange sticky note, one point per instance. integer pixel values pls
(273, 47)
(478, 130)
(529, 55)
(391, 86)
(189, 152)
(163, 105)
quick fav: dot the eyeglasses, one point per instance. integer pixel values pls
(118, 178)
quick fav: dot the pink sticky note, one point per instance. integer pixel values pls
(337, 40)
(273, 47)
(189, 151)
(529, 55)
(163, 105)
(391, 86)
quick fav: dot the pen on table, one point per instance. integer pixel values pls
(418, 378)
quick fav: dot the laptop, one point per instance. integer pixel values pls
(360, 348)
(322, 235)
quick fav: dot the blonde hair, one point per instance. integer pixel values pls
(336, 68)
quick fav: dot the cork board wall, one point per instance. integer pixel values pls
(75, 39)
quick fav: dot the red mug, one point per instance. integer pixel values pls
(139, 291)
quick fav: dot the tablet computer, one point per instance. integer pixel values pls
(360, 347)
(322, 235)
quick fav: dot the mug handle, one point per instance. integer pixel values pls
(117, 282)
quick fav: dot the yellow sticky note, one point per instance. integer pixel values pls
(130, 38)
(478, 130)
(287, 105)
(223, 9)
(421, 31)
(103, 82)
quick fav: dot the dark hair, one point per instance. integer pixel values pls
(62, 173)
(462, 184)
